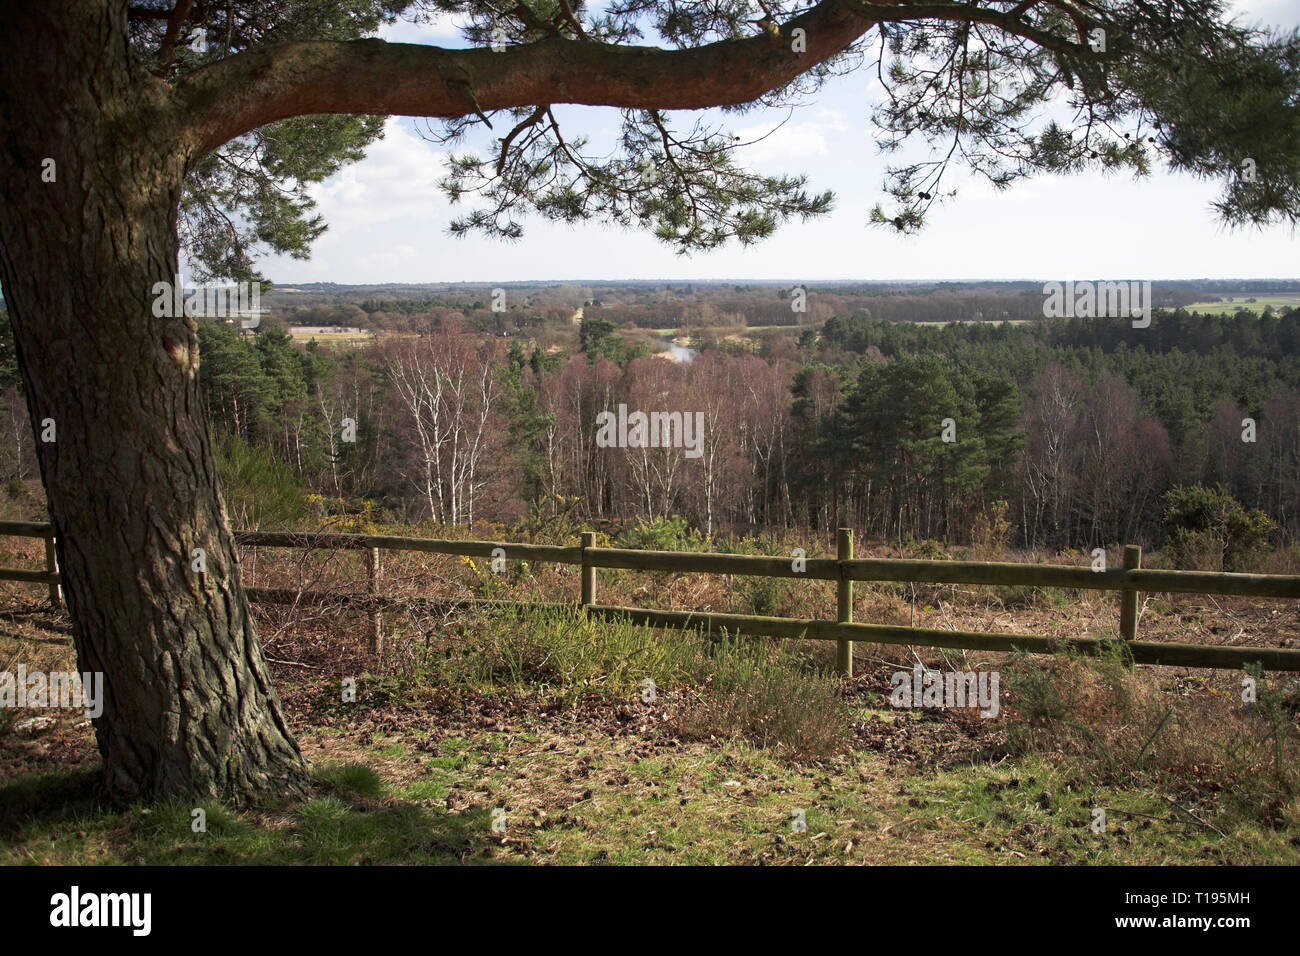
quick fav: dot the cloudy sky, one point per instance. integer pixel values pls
(388, 220)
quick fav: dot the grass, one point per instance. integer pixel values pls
(338, 826)
(545, 716)
(1238, 303)
(713, 805)
(335, 339)
(767, 692)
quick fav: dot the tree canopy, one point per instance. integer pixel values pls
(284, 93)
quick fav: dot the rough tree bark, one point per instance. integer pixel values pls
(132, 490)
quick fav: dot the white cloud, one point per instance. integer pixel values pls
(445, 31)
(397, 180)
(1281, 13)
(380, 212)
(794, 139)
(388, 220)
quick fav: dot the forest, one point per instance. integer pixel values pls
(1054, 434)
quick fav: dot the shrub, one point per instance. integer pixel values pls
(1130, 726)
(551, 520)
(670, 533)
(566, 652)
(992, 531)
(925, 549)
(260, 491)
(763, 693)
(1209, 529)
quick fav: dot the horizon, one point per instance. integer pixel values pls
(781, 281)
(387, 217)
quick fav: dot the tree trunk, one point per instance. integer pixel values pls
(189, 710)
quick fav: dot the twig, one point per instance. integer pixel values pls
(276, 660)
(1209, 826)
(1148, 816)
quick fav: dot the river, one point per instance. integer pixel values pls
(680, 353)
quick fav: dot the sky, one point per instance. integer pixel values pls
(388, 220)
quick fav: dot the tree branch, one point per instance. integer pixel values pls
(566, 12)
(1007, 21)
(174, 23)
(240, 93)
(537, 116)
(149, 13)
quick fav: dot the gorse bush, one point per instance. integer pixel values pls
(991, 534)
(663, 534)
(551, 520)
(759, 595)
(1209, 529)
(773, 597)
(1050, 693)
(925, 549)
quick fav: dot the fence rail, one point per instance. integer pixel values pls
(1129, 580)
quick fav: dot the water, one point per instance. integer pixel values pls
(680, 353)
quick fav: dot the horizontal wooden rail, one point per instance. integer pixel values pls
(1142, 652)
(332, 541)
(1129, 580)
(25, 529)
(33, 577)
(825, 569)
(753, 625)
(353, 599)
(1003, 573)
(1012, 574)
(50, 576)
(1007, 574)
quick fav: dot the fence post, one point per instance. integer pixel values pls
(588, 571)
(844, 609)
(1128, 600)
(373, 571)
(52, 566)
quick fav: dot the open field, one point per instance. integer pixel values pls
(334, 339)
(1257, 303)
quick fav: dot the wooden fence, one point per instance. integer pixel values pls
(844, 569)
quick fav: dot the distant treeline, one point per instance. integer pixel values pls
(698, 307)
(1057, 434)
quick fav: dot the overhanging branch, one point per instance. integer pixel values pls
(1008, 21)
(248, 90)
